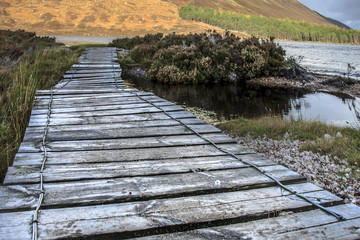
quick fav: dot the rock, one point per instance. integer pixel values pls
(322, 170)
(338, 135)
(327, 137)
(286, 135)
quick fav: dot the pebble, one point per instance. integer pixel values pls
(327, 137)
(323, 171)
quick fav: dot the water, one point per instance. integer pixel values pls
(325, 58)
(229, 102)
(326, 108)
(71, 40)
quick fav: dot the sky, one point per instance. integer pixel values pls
(345, 11)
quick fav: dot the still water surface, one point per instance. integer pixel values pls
(229, 102)
(325, 58)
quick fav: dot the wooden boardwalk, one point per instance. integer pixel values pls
(101, 161)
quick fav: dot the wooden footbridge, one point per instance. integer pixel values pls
(100, 161)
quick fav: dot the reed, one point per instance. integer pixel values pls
(40, 69)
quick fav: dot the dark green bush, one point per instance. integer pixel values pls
(204, 58)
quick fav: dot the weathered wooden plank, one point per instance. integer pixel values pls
(112, 133)
(125, 111)
(92, 96)
(129, 142)
(37, 111)
(16, 225)
(18, 197)
(60, 173)
(93, 75)
(39, 131)
(95, 65)
(340, 230)
(71, 71)
(99, 100)
(286, 226)
(95, 81)
(110, 119)
(85, 92)
(130, 219)
(102, 156)
(128, 189)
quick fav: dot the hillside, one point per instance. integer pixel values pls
(291, 9)
(97, 17)
(133, 17)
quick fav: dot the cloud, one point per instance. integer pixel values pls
(346, 11)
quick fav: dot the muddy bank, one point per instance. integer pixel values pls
(318, 83)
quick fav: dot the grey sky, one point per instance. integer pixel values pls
(346, 11)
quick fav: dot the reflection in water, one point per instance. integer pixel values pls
(229, 102)
(325, 107)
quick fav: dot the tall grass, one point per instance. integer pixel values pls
(41, 69)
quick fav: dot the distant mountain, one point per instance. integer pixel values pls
(134, 17)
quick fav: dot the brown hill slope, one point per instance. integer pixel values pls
(95, 17)
(132, 17)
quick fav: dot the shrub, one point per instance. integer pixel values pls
(204, 58)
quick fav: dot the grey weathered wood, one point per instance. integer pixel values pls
(92, 101)
(39, 131)
(129, 218)
(125, 143)
(94, 95)
(109, 119)
(286, 226)
(110, 112)
(145, 187)
(85, 92)
(94, 71)
(102, 156)
(92, 75)
(16, 225)
(339, 230)
(112, 133)
(100, 108)
(88, 171)
(95, 65)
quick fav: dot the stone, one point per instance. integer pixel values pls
(327, 137)
(339, 135)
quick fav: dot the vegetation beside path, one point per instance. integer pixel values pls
(27, 63)
(339, 142)
(203, 58)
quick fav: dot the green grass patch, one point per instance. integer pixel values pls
(41, 68)
(264, 27)
(343, 143)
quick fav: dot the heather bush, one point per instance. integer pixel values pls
(204, 58)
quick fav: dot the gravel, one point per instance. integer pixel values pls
(325, 171)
